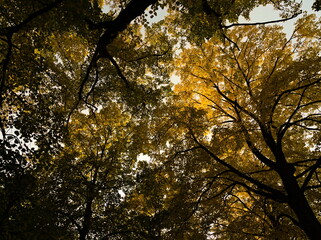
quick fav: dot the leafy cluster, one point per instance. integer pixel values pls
(98, 142)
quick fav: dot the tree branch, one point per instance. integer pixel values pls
(311, 171)
(261, 23)
(111, 30)
(295, 222)
(13, 29)
(119, 72)
(273, 193)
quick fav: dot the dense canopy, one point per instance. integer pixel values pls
(159, 119)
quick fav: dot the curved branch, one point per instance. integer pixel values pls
(292, 90)
(111, 30)
(13, 29)
(119, 72)
(295, 222)
(311, 171)
(271, 192)
(261, 23)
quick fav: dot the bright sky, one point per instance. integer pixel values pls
(267, 13)
(259, 14)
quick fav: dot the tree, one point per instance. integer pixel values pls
(78, 194)
(92, 169)
(44, 51)
(61, 59)
(261, 116)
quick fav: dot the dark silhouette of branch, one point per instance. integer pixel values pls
(299, 163)
(87, 74)
(111, 30)
(311, 171)
(148, 56)
(295, 222)
(119, 72)
(93, 85)
(270, 191)
(13, 29)
(5, 64)
(313, 187)
(9, 31)
(230, 40)
(253, 148)
(261, 23)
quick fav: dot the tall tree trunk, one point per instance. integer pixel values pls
(297, 201)
(299, 204)
(87, 220)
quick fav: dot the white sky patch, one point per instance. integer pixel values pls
(105, 8)
(160, 15)
(152, 18)
(209, 136)
(122, 194)
(268, 13)
(86, 111)
(143, 158)
(175, 79)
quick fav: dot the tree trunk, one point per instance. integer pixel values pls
(300, 206)
(87, 220)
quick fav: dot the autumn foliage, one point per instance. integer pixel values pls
(148, 119)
